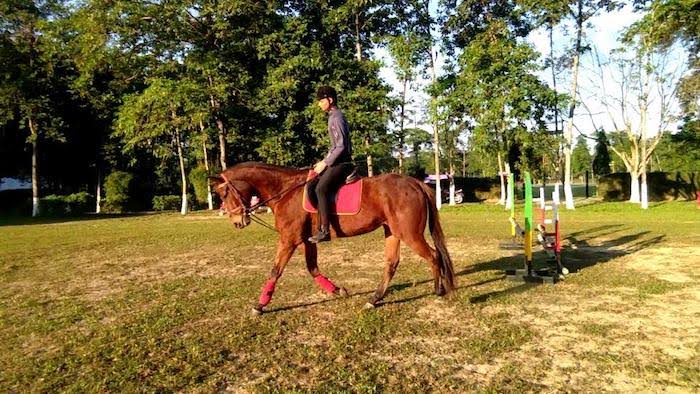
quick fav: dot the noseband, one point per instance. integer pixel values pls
(228, 184)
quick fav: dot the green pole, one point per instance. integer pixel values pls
(528, 223)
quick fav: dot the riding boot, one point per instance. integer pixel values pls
(323, 235)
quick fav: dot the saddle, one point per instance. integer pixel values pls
(346, 201)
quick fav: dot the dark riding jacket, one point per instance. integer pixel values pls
(338, 130)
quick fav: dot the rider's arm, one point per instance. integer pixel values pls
(339, 139)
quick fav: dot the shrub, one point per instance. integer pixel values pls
(117, 191)
(661, 186)
(72, 204)
(166, 203)
(198, 179)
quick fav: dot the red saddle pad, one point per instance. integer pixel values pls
(345, 202)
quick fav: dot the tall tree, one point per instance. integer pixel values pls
(580, 11)
(406, 50)
(601, 155)
(495, 83)
(30, 60)
(581, 157)
(162, 119)
(645, 89)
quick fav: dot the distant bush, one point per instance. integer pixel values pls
(72, 204)
(117, 191)
(661, 186)
(198, 179)
(167, 203)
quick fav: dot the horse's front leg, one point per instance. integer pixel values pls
(311, 254)
(284, 253)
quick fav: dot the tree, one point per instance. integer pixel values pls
(580, 11)
(29, 74)
(601, 155)
(162, 119)
(406, 49)
(645, 88)
(580, 157)
(495, 85)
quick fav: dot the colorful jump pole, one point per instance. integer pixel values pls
(511, 199)
(528, 223)
(528, 273)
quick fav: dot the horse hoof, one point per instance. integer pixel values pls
(369, 305)
(256, 311)
(341, 292)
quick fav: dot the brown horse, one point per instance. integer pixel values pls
(400, 204)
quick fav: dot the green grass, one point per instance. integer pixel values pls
(162, 303)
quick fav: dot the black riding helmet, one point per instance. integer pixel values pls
(326, 92)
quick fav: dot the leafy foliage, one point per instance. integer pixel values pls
(118, 187)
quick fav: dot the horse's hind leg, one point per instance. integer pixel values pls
(419, 245)
(392, 248)
(311, 255)
(284, 253)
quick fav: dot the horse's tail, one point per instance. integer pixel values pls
(444, 260)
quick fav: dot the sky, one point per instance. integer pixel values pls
(602, 35)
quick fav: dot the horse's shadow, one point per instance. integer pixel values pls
(584, 255)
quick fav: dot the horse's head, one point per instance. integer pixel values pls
(234, 199)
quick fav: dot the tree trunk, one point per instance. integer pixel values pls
(35, 167)
(370, 169)
(401, 132)
(644, 190)
(501, 174)
(181, 158)
(210, 201)
(464, 163)
(98, 191)
(569, 133)
(634, 190)
(436, 135)
(222, 143)
(452, 183)
(643, 132)
(358, 56)
(216, 106)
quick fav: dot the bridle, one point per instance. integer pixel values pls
(248, 212)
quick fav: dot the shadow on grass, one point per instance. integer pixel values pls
(583, 256)
(29, 221)
(574, 259)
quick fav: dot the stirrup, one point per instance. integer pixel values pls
(321, 236)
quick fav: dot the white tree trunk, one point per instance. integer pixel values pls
(181, 159)
(569, 132)
(98, 192)
(644, 194)
(501, 172)
(35, 168)
(210, 201)
(634, 189)
(452, 184)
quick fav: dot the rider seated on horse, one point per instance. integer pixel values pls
(335, 167)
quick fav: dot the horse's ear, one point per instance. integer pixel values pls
(215, 181)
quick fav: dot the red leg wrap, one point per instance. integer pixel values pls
(267, 291)
(326, 284)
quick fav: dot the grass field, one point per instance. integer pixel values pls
(162, 303)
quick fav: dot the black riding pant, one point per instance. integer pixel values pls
(322, 188)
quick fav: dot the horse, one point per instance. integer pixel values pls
(400, 204)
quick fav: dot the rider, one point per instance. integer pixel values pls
(337, 164)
